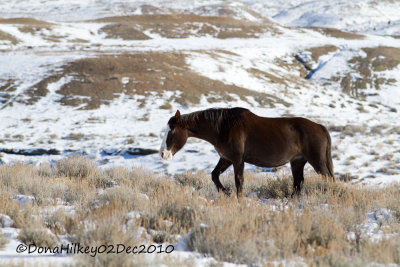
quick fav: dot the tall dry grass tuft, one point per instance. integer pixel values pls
(79, 168)
(126, 197)
(176, 204)
(104, 228)
(231, 231)
(56, 221)
(38, 236)
(196, 180)
(24, 179)
(278, 187)
(21, 215)
(21, 178)
(76, 167)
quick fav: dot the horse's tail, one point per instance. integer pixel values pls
(329, 163)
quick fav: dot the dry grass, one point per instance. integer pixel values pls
(247, 232)
(105, 227)
(39, 237)
(82, 168)
(11, 208)
(76, 167)
(324, 226)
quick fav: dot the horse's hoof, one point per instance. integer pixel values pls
(227, 192)
(295, 194)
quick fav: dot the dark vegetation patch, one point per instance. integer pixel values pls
(98, 81)
(182, 26)
(30, 151)
(137, 151)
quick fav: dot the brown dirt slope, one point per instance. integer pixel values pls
(99, 80)
(378, 59)
(8, 37)
(338, 33)
(317, 52)
(27, 25)
(367, 68)
(30, 21)
(182, 26)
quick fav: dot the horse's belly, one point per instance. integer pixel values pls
(266, 154)
(268, 163)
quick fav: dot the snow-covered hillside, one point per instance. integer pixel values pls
(366, 16)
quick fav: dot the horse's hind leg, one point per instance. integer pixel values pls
(320, 166)
(238, 168)
(222, 165)
(297, 166)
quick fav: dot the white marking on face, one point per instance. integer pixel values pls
(164, 152)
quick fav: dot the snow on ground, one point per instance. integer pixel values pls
(76, 10)
(9, 255)
(366, 16)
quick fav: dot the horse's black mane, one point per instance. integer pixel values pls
(221, 119)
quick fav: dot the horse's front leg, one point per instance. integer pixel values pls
(222, 165)
(238, 168)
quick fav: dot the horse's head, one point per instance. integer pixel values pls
(175, 137)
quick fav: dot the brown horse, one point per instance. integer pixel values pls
(240, 136)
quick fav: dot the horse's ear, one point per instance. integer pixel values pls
(177, 115)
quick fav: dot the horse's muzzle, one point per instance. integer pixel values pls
(166, 154)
